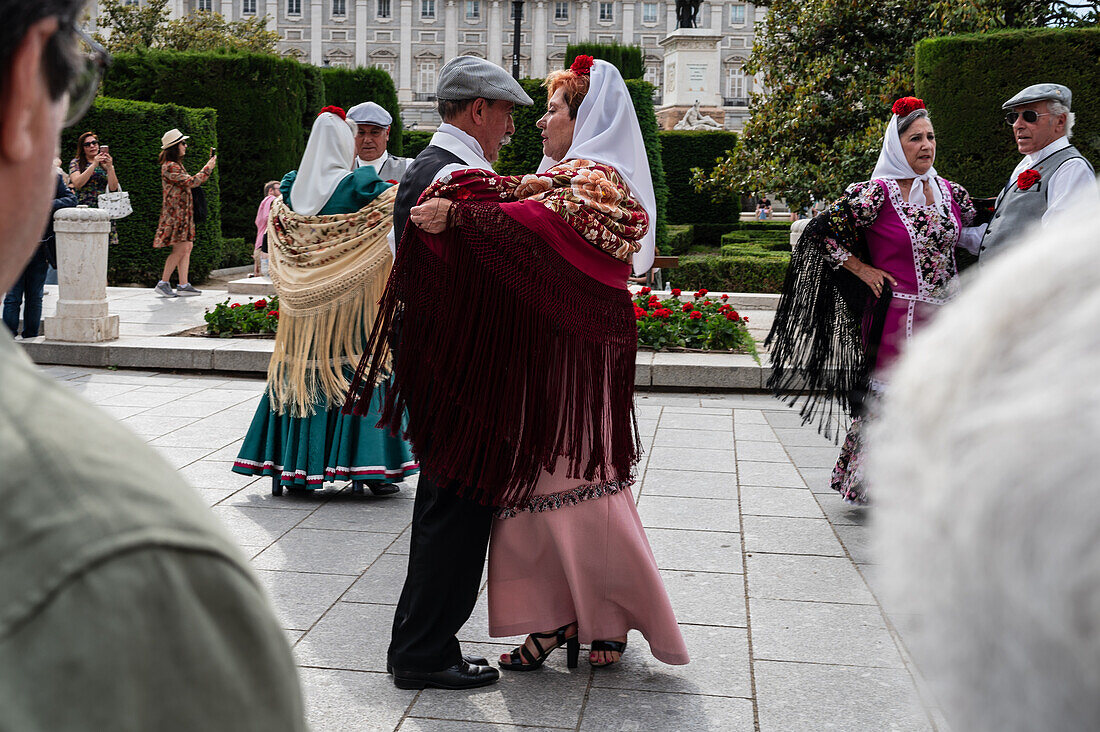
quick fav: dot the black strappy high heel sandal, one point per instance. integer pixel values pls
(607, 647)
(521, 654)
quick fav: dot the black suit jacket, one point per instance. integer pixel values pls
(418, 176)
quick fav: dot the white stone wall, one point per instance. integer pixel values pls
(413, 45)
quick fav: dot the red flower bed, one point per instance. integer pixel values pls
(705, 324)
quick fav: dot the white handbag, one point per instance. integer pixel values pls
(116, 204)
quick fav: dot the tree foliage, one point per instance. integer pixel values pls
(831, 69)
(136, 27)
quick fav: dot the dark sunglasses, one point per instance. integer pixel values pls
(89, 143)
(1030, 116)
(91, 61)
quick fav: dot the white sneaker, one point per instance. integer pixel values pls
(187, 290)
(164, 290)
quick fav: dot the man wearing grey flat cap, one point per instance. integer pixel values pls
(450, 534)
(1052, 179)
(371, 140)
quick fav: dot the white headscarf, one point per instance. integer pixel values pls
(328, 159)
(892, 164)
(607, 131)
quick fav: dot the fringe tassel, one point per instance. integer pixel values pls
(506, 358)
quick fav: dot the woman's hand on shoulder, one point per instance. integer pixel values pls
(432, 215)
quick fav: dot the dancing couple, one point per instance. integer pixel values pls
(506, 341)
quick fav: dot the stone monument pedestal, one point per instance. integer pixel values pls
(693, 73)
(82, 239)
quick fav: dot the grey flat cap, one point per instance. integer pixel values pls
(369, 113)
(1041, 93)
(470, 77)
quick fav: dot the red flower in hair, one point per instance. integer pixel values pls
(906, 106)
(334, 110)
(582, 65)
(1028, 178)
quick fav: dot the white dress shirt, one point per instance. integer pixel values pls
(376, 164)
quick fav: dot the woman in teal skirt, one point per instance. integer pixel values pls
(329, 262)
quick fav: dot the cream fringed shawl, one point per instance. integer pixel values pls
(329, 273)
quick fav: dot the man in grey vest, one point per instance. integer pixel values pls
(1053, 177)
(450, 534)
(371, 140)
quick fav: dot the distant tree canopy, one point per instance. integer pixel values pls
(831, 69)
(136, 27)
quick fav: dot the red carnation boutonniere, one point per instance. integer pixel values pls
(906, 106)
(334, 110)
(582, 65)
(1028, 178)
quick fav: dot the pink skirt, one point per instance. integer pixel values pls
(588, 562)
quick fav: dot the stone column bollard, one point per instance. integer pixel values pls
(82, 239)
(796, 230)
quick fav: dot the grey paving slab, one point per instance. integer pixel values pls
(178, 457)
(749, 416)
(813, 457)
(550, 697)
(301, 598)
(783, 419)
(153, 426)
(707, 411)
(818, 632)
(840, 513)
(665, 512)
(818, 479)
(618, 709)
(789, 535)
(800, 696)
(339, 701)
(688, 421)
(208, 473)
(706, 598)
(416, 724)
(349, 636)
(229, 452)
(256, 526)
(764, 501)
(754, 432)
(706, 551)
(779, 475)
(707, 439)
(318, 550)
(719, 665)
(647, 427)
(687, 458)
(808, 578)
(381, 583)
(181, 408)
(689, 484)
(857, 540)
(803, 437)
(666, 399)
(211, 496)
(258, 493)
(761, 451)
(387, 514)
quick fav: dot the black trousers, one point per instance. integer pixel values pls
(450, 536)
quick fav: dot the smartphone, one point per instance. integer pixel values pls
(105, 149)
(213, 151)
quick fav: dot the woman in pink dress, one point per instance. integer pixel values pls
(867, 272)
(527, 309)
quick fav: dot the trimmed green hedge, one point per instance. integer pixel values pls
(965, 79)
(415, 141)
(524, 153)
(133, 130)
(683, 150)
(265, 105)
(237, 252)
(698, 237)
(627, 59)
(347, 87)
(757, 272)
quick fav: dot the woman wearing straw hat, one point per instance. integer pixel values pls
(177, 218)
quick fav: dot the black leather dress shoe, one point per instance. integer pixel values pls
(472, 660)
(460, 676)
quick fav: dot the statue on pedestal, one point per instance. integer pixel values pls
(687, 13)
(696, 120)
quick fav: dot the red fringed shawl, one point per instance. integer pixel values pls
(514, 344)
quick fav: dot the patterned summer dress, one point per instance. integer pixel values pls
(88, 194)
(177, 214)
(916, 244)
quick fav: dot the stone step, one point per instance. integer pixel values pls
(259, 286)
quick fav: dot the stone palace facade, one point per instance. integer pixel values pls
(412, 39)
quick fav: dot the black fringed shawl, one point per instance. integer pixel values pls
(822, 343)
(506, 357)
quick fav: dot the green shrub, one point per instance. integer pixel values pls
(348, 87)
(706, 324)
(641, 93)
(237, 253)
(627, 59)
(682, 150)
(965, 79)
(738, 273)
(679, 239)
(260, 316)
(262, 101)
(133, 130)
(415, 141)
(783, 226)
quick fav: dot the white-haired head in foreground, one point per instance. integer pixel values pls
(986, 467)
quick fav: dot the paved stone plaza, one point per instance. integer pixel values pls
(768, 573)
